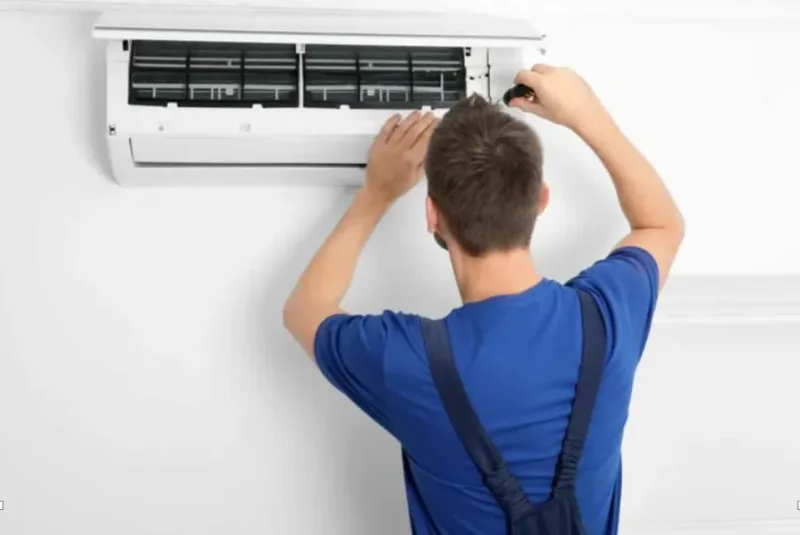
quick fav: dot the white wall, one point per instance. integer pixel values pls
(713, 104)
(146, 385)
(713, 439)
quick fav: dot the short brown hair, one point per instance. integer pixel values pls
(484, 171)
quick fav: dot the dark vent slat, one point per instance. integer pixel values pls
(244, 74)
(383, 77)
(213, 74)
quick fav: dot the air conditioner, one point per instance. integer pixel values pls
(287, 97)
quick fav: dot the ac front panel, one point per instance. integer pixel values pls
(321, 27)
(131, 120)
(227, 116)
(279, 150)
(316, 39)
(199, 101)
(130, 174)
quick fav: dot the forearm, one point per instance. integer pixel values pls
(328, 275)
(322, 285)
(643, 196)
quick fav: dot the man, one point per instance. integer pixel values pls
(516, 340)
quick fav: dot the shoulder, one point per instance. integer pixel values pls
(625, 286)
(627, 274)
(358, 353)
(373, 333)
(621, 266)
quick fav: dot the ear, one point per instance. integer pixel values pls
(544, 199)
(431, 215)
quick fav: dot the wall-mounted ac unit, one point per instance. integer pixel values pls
(293, 98)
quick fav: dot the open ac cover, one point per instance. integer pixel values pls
(288, 98)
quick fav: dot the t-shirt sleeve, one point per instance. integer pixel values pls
(626, 286)
(350, 350)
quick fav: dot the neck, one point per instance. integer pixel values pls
(494, 274)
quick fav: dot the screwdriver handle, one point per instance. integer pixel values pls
(519, 91)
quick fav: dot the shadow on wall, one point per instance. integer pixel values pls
(362, 474)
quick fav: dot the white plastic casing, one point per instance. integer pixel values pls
(171, 145)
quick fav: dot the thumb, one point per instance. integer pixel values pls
(528, 106)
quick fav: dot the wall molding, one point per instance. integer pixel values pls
(729, 299)
(629, 10)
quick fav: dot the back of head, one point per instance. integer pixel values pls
(484, 170)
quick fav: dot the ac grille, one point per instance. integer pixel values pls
(204, 74)
(213, 74)
(383, 77)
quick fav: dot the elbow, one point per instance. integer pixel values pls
(673, 225)
(680, 226)
(674, 231)
(289, 314)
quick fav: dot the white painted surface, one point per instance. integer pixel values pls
(713, 105)
(320, 27)
(147, 386)
(362, 6)
(746, 10)
(711, 436)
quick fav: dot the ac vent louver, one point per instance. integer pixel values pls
(383, 76)
(210, 74)
(213, 74)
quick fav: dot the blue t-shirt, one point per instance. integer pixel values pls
(518, 357)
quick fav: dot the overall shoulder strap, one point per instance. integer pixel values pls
(496, 476)
(593, 356)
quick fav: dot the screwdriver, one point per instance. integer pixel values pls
(519, 91)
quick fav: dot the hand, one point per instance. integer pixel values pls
(397, 157)
(562, 97)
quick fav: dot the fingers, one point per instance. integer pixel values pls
(531, 79)
(420, 147)
(543, 68)
(410, 135)
(404, 126)
(417, 130)
(388, 127)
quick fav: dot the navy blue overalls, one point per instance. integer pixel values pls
(560, 515)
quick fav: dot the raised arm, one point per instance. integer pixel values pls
(395, 166)
(656, 223)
